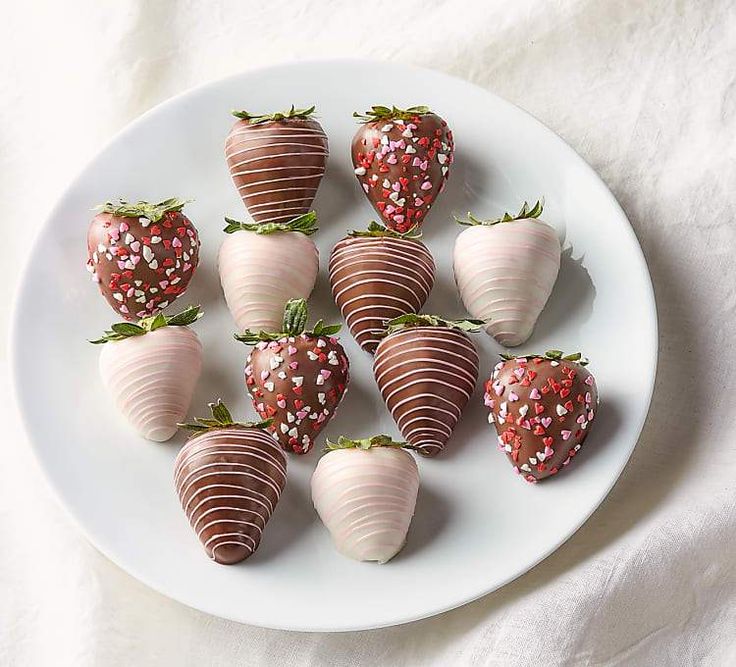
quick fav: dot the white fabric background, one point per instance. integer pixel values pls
(645, 91)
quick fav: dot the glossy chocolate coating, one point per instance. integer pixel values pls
(375, 279)
(402, 166)
(298, 382)
(426, 376)
(277, 166)
(542, 411)
(142, 266)
(229, 482)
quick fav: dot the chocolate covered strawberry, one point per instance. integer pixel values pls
(296, 377)
(426, 369)
(379, 274)
(142, 255)
(402, 159)
(229, 477)
(365, 492)
(277, 162)
(542, 407)
(263, 266)
(505, 270)
(151, 369)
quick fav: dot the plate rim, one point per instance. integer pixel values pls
(15, 335)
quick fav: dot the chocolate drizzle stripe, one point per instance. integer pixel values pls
(229, 482)
(426, 376)
(376, 279)
(290, 151)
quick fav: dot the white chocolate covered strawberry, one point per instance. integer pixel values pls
(505, 270)
(262, 266)
(365, 492)
(151, 368)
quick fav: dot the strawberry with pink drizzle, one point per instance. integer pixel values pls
(151, 368)
(142, 256)
(505, 270)
(402, 159)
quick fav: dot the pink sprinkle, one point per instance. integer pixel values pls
(548, 451)
(546, 421)
(519, 372)
(513, 397)
(498, 388)
(589, 380)
(176, 242)
(121, 265)
(399, 219)
(580, 419)
(301, 414)
(124, 227)
(416, 162)
(534, 394)
(391, 159)
(426, 186)
(396, 187)
(292, 351)
(365, 187)
(264, 375)
(293, 365)
(418, 201)
(588, 397)
(325, 373)
(135, 246)
(187, 267)
(281, 403)
(389, 209)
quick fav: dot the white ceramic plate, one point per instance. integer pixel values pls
(477, 525)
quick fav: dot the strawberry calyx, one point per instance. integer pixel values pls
(524, 213)
(123, 330)
(221, 419)
(143, 209)
(306, 224)
(376, 229)
(292, 113)
(365, 443)
(550, 355)
(391, 113)
(421, 320)
(294, 324)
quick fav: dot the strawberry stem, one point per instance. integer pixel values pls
(422, 320)
(524, 213)
(391, 113)
(551, 355)
(365, 443)
(221, 418)
(292, 113)
(294, 324)
(377, 229)
(143, 209)
(306, 224)
(123, 330)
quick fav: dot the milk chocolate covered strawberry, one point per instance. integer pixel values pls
(296, 377)
(229, 477)
(379, 274)
(141, 255)
(543, 407)
(426, 369)
(402, 159)
(277, 162)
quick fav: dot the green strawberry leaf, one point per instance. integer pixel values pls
(376, 229)
(524, 213)
(365, 443)
(422, 320)
(221, 418)
(393, 113)
(143, 209)
(255, 119)
(123, 330)
(294, 324)
(306, 224)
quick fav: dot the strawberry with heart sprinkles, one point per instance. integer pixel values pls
(542, 407)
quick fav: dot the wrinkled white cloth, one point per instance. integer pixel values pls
(645, 91)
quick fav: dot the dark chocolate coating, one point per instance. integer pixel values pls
(277, 166)
(229, 482)
(402, 169)
(298, 382)
(426, 376)
(142, 266)
(542, 411)
(375, 279)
